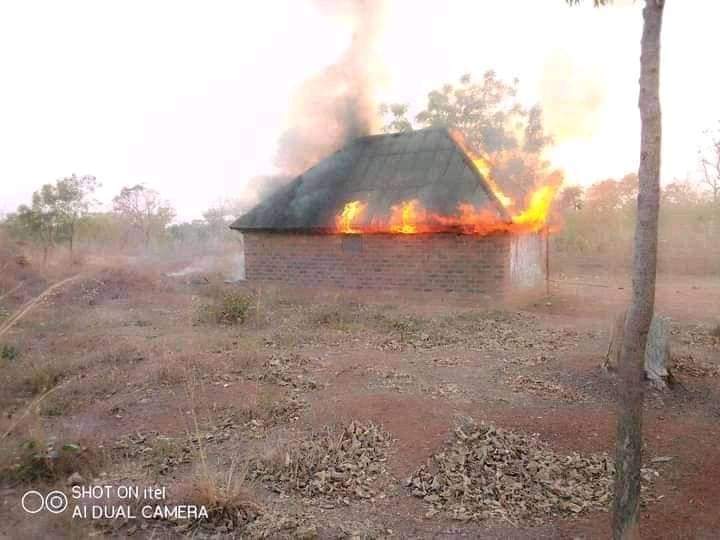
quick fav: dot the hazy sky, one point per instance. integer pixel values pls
(190, 97)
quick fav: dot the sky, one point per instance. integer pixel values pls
(190, 97)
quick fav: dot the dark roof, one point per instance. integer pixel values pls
(381, 170)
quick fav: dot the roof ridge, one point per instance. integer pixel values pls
(399, 133)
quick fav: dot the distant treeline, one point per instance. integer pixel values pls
(596, 225)
(63, 215)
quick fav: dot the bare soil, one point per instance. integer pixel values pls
(121, 364)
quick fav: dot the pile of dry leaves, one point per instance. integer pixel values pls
(340, 462)
(250, 521)
(488, 472)
(688, 365)
(286, 370)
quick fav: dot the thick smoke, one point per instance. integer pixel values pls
(336, 105)
(572, 99)
(331, 108)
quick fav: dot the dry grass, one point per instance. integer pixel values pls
(170, 373)
(715, 332)
(120, 357)
(338, 315)
(43, 376)
(224, 495)
(7, 324)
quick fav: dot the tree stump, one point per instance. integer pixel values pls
(657, 348)
(657, 351)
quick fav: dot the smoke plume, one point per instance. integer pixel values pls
(336, 105)
(572, 99)
(331, 108)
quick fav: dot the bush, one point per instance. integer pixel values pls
(230, 307)
(42, 378)
(8, 352)
(50, 461)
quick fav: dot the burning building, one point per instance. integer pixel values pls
(410, 211)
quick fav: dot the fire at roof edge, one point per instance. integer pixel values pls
(427, 180)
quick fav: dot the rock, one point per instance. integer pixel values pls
(657, 348)
(75, 479)
(657, 351)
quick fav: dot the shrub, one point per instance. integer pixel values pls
(52, 407)
(42, 378)
(36, 460)
(230, 307)
(8, 352)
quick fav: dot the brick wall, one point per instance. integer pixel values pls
(422, 262)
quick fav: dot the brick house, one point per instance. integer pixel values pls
(291, 236)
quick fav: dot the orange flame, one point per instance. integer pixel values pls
(484, 168)
(410, 217)
(352, 212)
(406, 216)
(537, 211)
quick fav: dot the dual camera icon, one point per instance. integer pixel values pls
(54, 502)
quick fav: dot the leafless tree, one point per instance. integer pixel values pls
(710, 162)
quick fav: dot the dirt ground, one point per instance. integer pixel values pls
(126, 377)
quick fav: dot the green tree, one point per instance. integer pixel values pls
(493, 122)
(143, 210)
(40, 222)
(216, 221)
(628, 450)
(55, 212)
(73, 203)
(398, 122)
(103, 230)
(195, 233)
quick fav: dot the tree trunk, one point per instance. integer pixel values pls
(628, 450)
